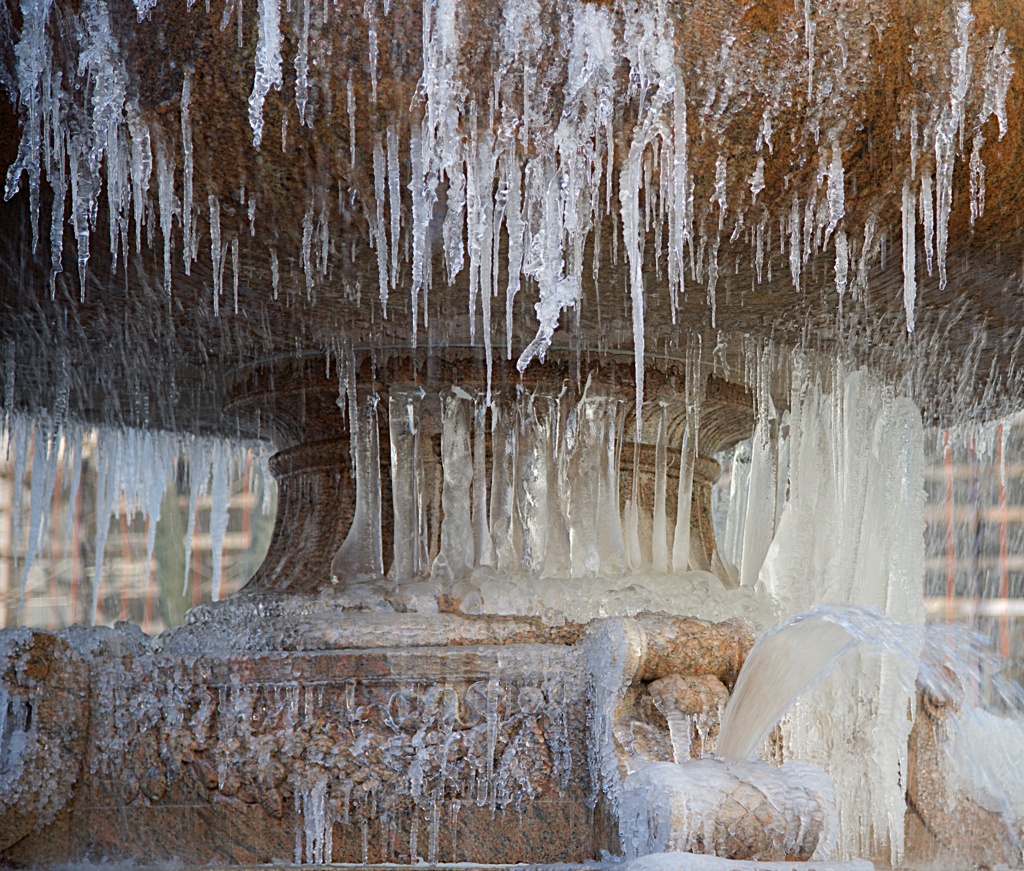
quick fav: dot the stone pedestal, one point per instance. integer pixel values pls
(404, 738)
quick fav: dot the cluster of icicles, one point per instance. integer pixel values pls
(545, 503)
(522, 186)
(134, 468)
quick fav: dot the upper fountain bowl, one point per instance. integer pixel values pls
(195, 187)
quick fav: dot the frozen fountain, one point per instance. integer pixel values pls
(499, 284)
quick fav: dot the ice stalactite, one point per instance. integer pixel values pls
(380, 239)
(659, 545)
(457, 545)
(948, 130)
(216, 253)
(927, 208)
(200, 460)
(408, 493)
(361, 554)
(189, 243)
(684, 493)
(168, 204)
(221, 493)
(302, 68)
(134, 469)
(268, 64)
(761, 501)
(44, 471)
(909, 254)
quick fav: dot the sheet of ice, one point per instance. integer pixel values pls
(850, 533)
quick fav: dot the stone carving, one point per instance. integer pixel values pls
(362, 752)
(660, 685)
(941, 803)
(367, 751)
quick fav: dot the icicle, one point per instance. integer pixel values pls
(515, 227)
(762, 494)
(611, 543)
(719, 196)
(187, 224)
(379, 234)
(199, 459)
(634, 554)
(732, 544)
(928, 219)
(108, 463)
(168, 205)
(977, 179)
(216, 252)
(268, 64)
(395, 204)
(275, 275)
(836, 191)
(909, 255)
(681, 539)
(948, 127)
(680, 218)
(532, 478)
(503, 484)
(220, 503)
(74, 439)
(659, 546)
(809, 29)
(407, 483)
(584, 454)
(142, 168)
(756, 181)
(44, 472)
(842, 267)
(361, 554)
(306, 256)
(794, 243)
(998, 72)
(370, 13)
(456, 555)
(351, 106)
(302, 68)
(422, 209)
(158, 465)
(481, 532)
(629, 183)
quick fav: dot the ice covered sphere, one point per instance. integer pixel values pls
(749, 810)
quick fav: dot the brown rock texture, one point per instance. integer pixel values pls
(44, 711)
(969, 833)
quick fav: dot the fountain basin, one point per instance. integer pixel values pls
(468, 741)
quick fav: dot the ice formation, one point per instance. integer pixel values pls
(519, 190)
(134, 469)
